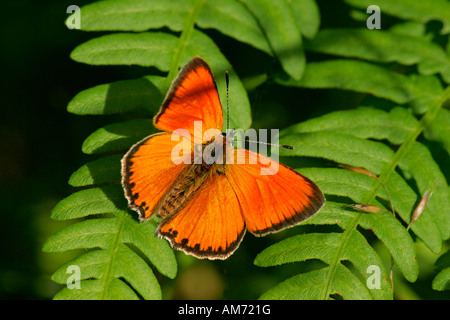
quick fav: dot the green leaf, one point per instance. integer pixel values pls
(420, 91)
(282, 31)
(410, 28)
(439, 129)
(405, 199)
(443, 261)
(115, 260)
(155, 49)
(128, 265)
(310, 286)
(299, 248)
(119, 252)
(331, 145)
(363, 257)
(157, 250)
(373, 156)
(233, 19)
(118, 136)
(329, 137)
(333, 213)
(359, 187)
(90, 202)
(300, 287)
(421, 11)
(363, 122)
(124, 264)
(92, 263)
(324, 247)
(93, 233)
(144, 49)
(229, 17)
(101, 171)
(356, 76)
(95, 289)
(307, 15)
(428, 176)
(144, 94)
(347, 285)
(442, 280)
(132, 15)
(396, 239)
(383, 46)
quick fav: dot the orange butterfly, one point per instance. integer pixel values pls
(206, 207)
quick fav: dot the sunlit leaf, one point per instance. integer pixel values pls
(282, 32)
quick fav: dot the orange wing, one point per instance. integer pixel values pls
(211, 225)
(192, 97)
(272, 202)
(148, 172)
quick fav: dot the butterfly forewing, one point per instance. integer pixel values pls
(192, 97)
(148, 172)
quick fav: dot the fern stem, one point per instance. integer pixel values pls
(428, 117)
(337, 258)
(107, 275)
(188, 27)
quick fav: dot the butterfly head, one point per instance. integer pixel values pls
(229, 136)
(220, 149)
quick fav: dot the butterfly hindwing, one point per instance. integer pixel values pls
(211, 226)
(272, 196)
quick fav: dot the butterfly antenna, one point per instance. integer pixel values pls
(227, 79)
(271, 144)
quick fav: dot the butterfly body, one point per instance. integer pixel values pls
(185, 187)
(212, 194)
(212, 160)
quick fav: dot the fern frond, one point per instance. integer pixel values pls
(439, 129)
(329, 137)
(229, 17)
(115, 260)
(360, 76)
(122, 251)
(142, 94)
(387, 144)
(383, 46)
(119, 255)
(276, 18)
(105, 170)
(420, 11)
(442, 280)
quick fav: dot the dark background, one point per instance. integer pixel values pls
(40, 146)
(40, 143)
